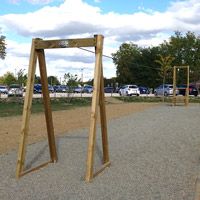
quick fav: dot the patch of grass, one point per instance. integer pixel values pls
(153, 99)
(14, 106)
(139, 99)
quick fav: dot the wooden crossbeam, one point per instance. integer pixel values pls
(65, 43)
(98, 102)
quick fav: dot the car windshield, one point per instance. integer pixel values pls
(132, 86)
(14, 86)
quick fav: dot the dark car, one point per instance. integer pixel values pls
(38, 88)
(192, 90)
(144, 90)
(108, 89)
(61, 88)
(88, 89)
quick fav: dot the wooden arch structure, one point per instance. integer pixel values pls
(186, 97)
(37, 53)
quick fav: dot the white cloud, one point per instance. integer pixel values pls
(75, 18)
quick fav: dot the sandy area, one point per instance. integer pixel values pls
(64, 121)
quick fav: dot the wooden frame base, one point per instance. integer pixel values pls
(98, 102)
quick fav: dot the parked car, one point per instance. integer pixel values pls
(144, 90)
(51, 89)
(108, 89)
(78, 89)
(37, 89)
(192, 90)
(87, 89)
(3, 89)
(15, 90)
(129, 90)
(166, 89)
(61, 88)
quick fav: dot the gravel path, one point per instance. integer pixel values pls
(155, 155)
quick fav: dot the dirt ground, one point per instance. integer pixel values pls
(64, 122)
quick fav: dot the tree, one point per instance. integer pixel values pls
(53, 80)
(136, 65)
(21, 77)
(71, 81)
(9, 78)
(125, 60)
(165, 67)
(2, 47)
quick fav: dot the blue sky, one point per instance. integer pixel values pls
(122, 6)
(143, 22)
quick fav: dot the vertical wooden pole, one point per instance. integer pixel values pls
(187, 89)
(47, 105)
(94, 108)
(26, 110)
(103, 120)
(174, 87)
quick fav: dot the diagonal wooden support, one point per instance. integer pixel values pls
(26, 111)
(47, 105)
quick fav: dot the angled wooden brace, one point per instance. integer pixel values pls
(27, 110)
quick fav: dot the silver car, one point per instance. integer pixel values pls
(3, 89)
(15, 90)
(166, 90)
(129, 90)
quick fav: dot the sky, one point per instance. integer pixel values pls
(142, 22)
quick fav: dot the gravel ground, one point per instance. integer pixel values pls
(155, 155)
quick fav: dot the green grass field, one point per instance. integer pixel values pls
(14, 106)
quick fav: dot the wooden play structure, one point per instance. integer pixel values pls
(177, 98)
(37, 53)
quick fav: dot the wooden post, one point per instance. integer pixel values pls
(94, 108)
(174, 87)
(97, 100)
(187, 89)
(47, 105)
(186, 97)
(26, 110)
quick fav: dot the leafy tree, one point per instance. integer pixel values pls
(21, 77)
(2, 47)
(37, 79)
(125, 60)
(53, 80)
(71, 81)
(165, 67)
(8, 79)
(136, 65)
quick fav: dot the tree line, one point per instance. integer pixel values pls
(150, 66)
